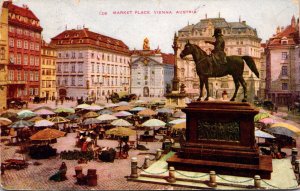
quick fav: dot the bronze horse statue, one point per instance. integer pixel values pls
(233, 67)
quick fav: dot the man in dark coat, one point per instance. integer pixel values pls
(218, 55)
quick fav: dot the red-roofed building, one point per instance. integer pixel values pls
(24, 35)
(151, 71)
(90, 65)
(282, 68)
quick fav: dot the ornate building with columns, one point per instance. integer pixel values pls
(90, 65)
(240, 39)
(282, 65)
(151, 71)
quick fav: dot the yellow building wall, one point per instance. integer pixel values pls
(48, 80)
(3, 57)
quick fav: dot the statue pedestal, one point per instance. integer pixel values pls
(220, 137)
(176, 99)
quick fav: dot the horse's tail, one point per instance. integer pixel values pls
(250, 62)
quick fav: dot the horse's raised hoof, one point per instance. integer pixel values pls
(244, 100)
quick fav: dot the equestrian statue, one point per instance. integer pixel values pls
(218, 64)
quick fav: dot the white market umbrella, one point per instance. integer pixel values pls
(121, 123)
(177, 121)
(94, 108)
(110, 105)
(262, 134)
(106, 117)
(44, 112)
(43, 123)
(122, 114)
(123, 103)
(82, 106)
(154, 123)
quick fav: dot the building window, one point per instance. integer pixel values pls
(80, 81)
(73, 54)
(92, 55)
(31, 46)
(239, 51)
(37, 47)
(80, 55)
(31, 91)
(2, 53)
(11, 42)
(98, 67)
(73, 67)
(25, 44)
(284, 55)
(31, 76)
(80, 67)
(58, 68)
(36, 91)
(31, 60)
(284, 86)
(66, 67)
(37, 61)
(93, 67)
(36, 76)
(19, 75)
(25, 75)
(73, 81)
(284, 70)
(19, 44)
(67, 55)
(11, 75)
(18, 58)
(59, 55)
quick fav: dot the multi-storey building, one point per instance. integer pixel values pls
(282, 65)
(151, 71)
(24, 35)
(90, 64)
(240, 39)
(48, 71)
(3, 57)
(262, 74)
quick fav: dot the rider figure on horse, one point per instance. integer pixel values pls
(218, 55)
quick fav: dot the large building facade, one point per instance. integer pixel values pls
(3, 57)
(151, 71)
(282, 65)
(24, 36)
(48, 71)
(240, 39)
(90, 65)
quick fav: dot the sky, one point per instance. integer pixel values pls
(144, 21)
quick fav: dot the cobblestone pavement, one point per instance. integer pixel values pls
(111, 176)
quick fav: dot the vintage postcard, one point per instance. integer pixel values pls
(149, 94)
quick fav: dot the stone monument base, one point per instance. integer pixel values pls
(263, 168)
(220, 137)
(176, 99)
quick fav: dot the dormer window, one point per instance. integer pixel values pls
(284, 40)
(66, 35)
(76, 35)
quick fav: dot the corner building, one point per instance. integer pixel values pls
(282, 65)
(24, 36)
(90, 65)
